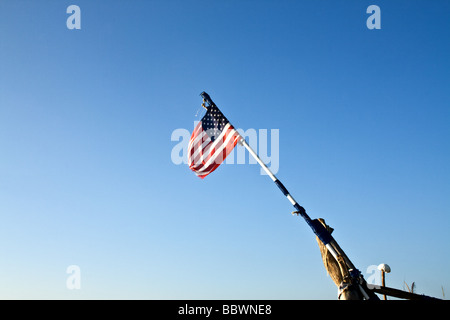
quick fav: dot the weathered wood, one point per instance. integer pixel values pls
(331, 265)
(338, 271)
(399, 293)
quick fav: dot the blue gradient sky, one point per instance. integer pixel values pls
(86, 117)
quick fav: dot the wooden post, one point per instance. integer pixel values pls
(384, 268)
(338, 271)
(383, 283)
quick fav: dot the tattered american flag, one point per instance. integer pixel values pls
(211, 142)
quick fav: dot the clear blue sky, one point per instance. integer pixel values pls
(86, 117)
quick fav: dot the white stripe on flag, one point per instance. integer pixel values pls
(230, 135)
(206, 153)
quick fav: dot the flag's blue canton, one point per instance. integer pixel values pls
(213, 122)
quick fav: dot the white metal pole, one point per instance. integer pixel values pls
(290, 198)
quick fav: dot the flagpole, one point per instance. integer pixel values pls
(318, 228)
(320, 231)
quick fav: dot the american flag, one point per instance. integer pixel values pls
(211, 142)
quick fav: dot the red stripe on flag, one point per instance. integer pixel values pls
(204, 156)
